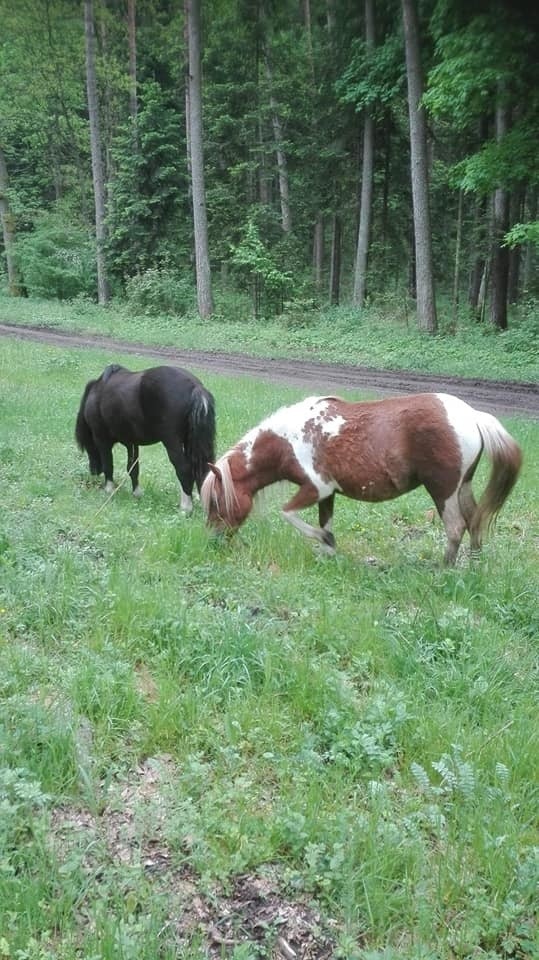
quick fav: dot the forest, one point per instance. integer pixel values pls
(273, 155)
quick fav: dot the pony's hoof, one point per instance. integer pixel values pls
(109, 487)
(137, 492)
(186, 505)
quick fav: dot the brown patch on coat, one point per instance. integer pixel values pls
(388, 447)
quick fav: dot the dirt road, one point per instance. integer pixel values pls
(497, 396)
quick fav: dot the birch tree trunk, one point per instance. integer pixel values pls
(8, 231)
(426, 304)
(194, 137)
(367, 181)
(97, 160)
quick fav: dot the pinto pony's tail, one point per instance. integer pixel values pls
(506, 458)
(200, 441)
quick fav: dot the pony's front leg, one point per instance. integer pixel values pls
(133, 468)
(307, 496)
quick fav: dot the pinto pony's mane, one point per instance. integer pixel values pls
(224, 477)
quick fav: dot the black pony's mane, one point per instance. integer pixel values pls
(108, 371)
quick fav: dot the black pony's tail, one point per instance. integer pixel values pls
(84, 436)
(200, 442)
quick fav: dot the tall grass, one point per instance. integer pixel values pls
(176, 715)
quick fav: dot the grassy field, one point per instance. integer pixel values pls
(247, 750)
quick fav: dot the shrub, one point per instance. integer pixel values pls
(160, 290)
(57, 260)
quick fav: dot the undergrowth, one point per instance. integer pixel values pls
(383, 336)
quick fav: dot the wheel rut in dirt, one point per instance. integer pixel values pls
(496, 396)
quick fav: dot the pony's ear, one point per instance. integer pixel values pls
(216, 471)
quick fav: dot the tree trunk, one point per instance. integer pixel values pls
(318, 251)
(367, 182)
(97, 161)
(500, 225)
(264, 180)
(479, 237)
(194, 135)
(282, 169)
(530, 250)
(8, 232)
(132, 34)
(515, 253)
(456, 272)
(386, 182)
(426, 304)
(335, 265)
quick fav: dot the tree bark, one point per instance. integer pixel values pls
(500, 254)
(194, 136)
(516, 210)
(335, 264)
(479, 235)
(97, 161)
(318, 251)
(132, 35)
(282, 168)
(367, 181)
(426, 303)
(8, 231)
(529, 251)
(456, 272)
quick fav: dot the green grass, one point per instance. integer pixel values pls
(381, 336)
(176, 715)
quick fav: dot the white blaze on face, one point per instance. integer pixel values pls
(289, 423)
(463, 419)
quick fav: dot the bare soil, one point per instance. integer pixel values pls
(496, 396)
(130, 835)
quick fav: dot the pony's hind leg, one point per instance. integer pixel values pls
(325, 518)
(455, 525)
(468, 506)
(184, 473)
(105, 452)
(307, 496)
(133, 468)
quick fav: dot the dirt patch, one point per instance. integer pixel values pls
(496, 396)
(130, 833)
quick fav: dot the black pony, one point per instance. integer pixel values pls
(160, 405)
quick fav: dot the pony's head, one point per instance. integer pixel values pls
(225, 500)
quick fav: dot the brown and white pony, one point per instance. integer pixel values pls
(370, 451)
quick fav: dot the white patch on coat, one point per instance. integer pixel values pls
(464, 420)
(289, 424)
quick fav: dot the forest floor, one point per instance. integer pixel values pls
(496, 396)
